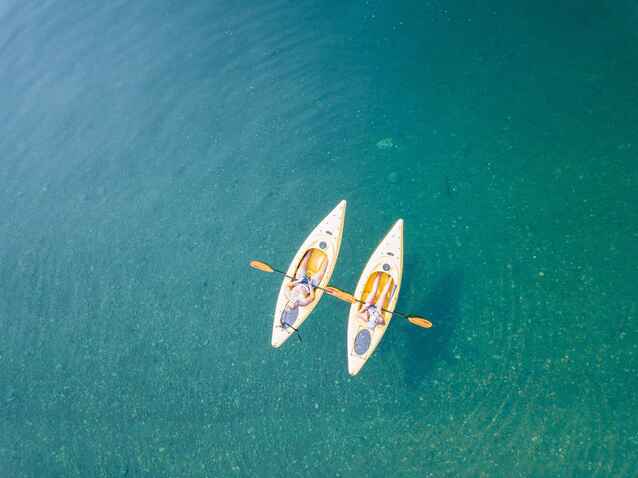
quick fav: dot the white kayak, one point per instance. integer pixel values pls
(385, 264)
(322, 246)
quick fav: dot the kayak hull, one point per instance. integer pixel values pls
(324, 243)
(387, 261)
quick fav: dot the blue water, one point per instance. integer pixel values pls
(150, 150)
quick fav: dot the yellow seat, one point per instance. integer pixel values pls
(370, 285)
(315, 262)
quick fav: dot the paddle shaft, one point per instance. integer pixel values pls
(353, 297)
(401, 314)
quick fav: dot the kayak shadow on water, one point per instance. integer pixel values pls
(426, 348)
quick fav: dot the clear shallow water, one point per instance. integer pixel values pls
(149, 151)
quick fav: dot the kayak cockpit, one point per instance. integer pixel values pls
(384, 278)
(315, 263)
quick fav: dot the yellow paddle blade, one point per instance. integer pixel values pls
(420, 321)
(261, 266)
(339, 294)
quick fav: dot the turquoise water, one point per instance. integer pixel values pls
(149, 150)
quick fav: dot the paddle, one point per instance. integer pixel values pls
(345, 296)
(262, 266)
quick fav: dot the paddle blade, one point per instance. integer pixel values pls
(420, 321)
(261, 266)
(339, 294)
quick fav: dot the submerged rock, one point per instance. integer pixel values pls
(386, 143)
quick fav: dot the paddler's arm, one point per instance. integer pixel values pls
(307, 300)
(293, 283)
(361, 315)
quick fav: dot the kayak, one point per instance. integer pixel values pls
(323, 246)
(386, 263)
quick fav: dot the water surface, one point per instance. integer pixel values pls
(149, 150)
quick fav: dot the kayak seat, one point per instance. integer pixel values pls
(367, 290)
(315, 261)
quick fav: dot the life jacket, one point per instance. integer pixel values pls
(307, 283)
(374, 317)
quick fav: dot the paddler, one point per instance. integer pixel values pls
(302, 289)
(371, 311)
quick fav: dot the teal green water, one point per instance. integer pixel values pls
(149, 150)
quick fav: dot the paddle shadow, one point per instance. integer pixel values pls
(428, 347)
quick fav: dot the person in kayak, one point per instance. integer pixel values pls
(371, 312)
(302, 289)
